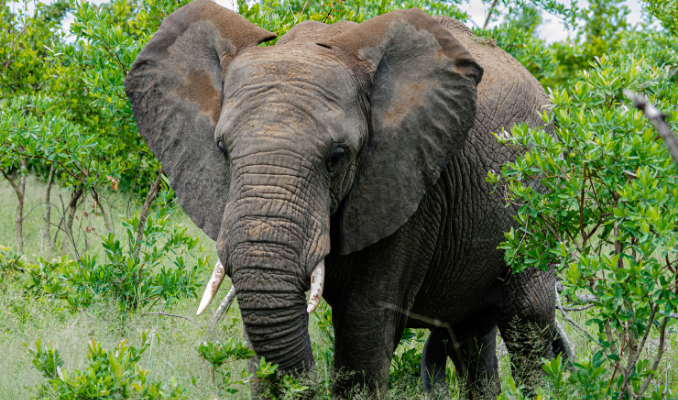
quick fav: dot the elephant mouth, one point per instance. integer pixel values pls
(317, 285)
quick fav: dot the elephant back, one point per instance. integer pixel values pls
(508, 93)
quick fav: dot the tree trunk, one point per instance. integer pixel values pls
(153, 191)
(48, 211)
(19, 221)
(72, 207)
(19, 190)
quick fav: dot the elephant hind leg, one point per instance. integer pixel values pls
(473, 352)
(433, 361)
(526, 324)
(476, 361)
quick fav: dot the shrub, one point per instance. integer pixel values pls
(108, 374)
(133, 274)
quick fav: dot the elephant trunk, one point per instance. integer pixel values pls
(278, 233)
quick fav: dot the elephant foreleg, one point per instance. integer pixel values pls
(364, 344)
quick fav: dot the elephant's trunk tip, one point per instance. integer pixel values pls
(212, 287)
(317, 285)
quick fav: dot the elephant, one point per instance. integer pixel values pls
(350, 160)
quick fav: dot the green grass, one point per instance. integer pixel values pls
(25, 319)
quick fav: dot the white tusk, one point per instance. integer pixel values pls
(317, 285)
(212, 286)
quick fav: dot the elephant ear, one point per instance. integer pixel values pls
(423, 103)
(175, 86)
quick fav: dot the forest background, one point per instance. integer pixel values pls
(100, 268)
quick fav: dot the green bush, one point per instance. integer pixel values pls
(108, 374)
(135, 274)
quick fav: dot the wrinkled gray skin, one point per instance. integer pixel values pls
(366, 146)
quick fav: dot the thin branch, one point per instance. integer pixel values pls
(97, 200)
(633, 357)
(31, 210)
(660, 352)
(61, 220)
(568, 319)
(657, 119)
(48, 209)
(69, 172)
(570, 344)
(589, 298)
(129, 199)
(9, 178)
(586, 307)
(489, 14)
(172, 315)
(613, 349)
(304, 7)
(581, 208)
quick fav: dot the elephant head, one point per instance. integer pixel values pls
(263, 144)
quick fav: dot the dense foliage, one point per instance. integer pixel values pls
(596, 196)
(598, 199)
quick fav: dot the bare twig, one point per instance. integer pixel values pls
(304, 7)
(97, 201)
(562, 332)
(61, 220)
(20, 194)
(660, 352)
(589, 298)
(568, 319)
(72, 207)
(31, 210)
(129, 199)
(172, 315)
(489, 14)
(633, 357)
(657, 119)
(48, 210)
(85, 236)
(10, 180)
(613, 350)
(69, 235)
(586, 307)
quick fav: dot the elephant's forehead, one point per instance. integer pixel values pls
(303, 65)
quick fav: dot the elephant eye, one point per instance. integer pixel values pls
(222, 147)
(335, 160)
